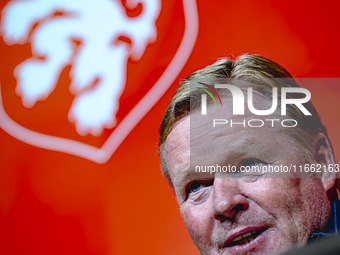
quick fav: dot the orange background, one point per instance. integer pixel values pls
(54, 203)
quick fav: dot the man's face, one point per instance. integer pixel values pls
(249, 215)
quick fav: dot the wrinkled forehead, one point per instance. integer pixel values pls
(193, 136)
(178, 140)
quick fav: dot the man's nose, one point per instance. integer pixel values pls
(228, 199)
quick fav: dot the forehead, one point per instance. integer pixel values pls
(193, 140)
(233, 137)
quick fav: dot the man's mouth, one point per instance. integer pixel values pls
(246, 237)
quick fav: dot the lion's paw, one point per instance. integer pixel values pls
(92, 112)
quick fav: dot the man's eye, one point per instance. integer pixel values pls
(196, 186)
(251, 162)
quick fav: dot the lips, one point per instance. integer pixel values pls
(244, 236)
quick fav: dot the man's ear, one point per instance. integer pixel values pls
(324, 156)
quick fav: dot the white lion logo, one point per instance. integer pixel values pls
(99, 63)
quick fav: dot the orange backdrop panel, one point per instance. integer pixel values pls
(53, 202)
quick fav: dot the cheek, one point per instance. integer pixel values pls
(198, 222)
(281, 200)
(276, 193)
(294, 208)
